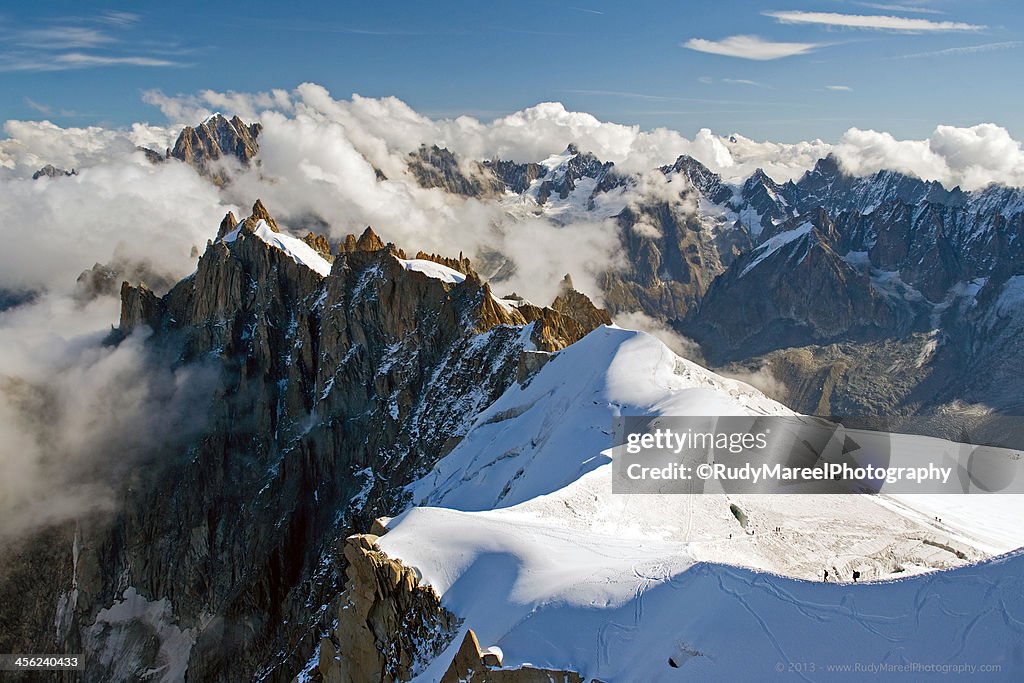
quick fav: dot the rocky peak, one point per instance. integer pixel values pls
(333, 392)
(388, 625)
(585, 164)
(368, 241)
(569, 317)
(139, 306)
(473, 665)
(772, 202)
(51, 171)
(461, 264)
(319, 244)
(701, 177)
(577, 166)
(103, 279)
(216, 138)
(517, 177)
(260, 213)
(438, 167)
(228, 224)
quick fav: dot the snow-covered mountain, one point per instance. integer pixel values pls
(332, 380)
(519, 533)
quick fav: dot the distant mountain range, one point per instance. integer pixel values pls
(831, 264)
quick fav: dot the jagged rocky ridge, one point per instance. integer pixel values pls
(818, 275)
(336, 383)
(390, 626)
(896, 265)
(892, 252)
(51, 171)
(208, 145)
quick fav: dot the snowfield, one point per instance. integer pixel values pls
(299, 251)
(433, 269)
(519, 532)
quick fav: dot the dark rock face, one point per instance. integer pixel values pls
(51, 171)
(670, 261)
(104, 279)
(844, 315)
(436, 167)
(152, 156)
(564, 179)
(768, 199)
(934, 246)
(829, 186)
(332, 393)
(12, 298)
(389, 625)
(889, 260)
(701, 177)
(773, 296)
(516, 177)
(214, 139)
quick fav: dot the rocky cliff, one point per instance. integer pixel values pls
(389, 627)
(334, 383)
(215, 139)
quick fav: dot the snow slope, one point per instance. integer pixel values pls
(775, 243)
(540, 438)
(432, 269)
(299, 251)
(519, 532)
(616, 610)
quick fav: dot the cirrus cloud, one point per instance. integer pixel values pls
(878, 22)
(749, 47)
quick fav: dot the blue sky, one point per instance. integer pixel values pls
(786, 70)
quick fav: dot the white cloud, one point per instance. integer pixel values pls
(969, 157)
(61, 37)
(878, 22)
(840, 88)
(761, 378)
(43, 109)
(116, 18)
(749, 47)
(76, 415)
(55, 228)
(781, 161)
(65, 46)
(680, 345)
(79, 60)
